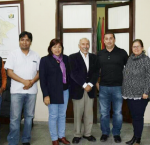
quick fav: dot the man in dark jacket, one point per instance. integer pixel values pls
(84, 76)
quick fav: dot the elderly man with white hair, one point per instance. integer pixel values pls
(84, 73)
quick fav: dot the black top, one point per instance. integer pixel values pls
(111, 66)
(51, 80)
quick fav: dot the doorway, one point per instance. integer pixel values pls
(115, 17)
(78, 18)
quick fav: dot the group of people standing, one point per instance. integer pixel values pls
(76, 77)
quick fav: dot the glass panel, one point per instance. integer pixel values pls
(118, 17)
(122, 41)
(77, 16)
(71, 41)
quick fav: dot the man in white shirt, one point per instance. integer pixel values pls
(23, 68)
(84, 75)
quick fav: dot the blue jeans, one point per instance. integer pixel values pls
(108, 95)
(19, 102)
(57, 118)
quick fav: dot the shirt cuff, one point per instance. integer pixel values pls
(90, 84)
(84, 85)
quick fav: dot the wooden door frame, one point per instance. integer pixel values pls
(59, 31)
(124, 30)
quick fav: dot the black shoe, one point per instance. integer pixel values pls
(76, 140)
(133, 140)
(90, 138)
(27, 143)
(104, 137)
(117, 138)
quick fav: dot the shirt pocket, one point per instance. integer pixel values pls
(34, 65)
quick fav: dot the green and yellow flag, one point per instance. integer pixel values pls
(98, 36)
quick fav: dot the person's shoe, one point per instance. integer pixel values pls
(117, 138)
(104, 137)
(135, 140)
(132, 141)
(90, 138)
(138, 141)
(55, 142)
(76, 140)
(26, 143)
(64, 140)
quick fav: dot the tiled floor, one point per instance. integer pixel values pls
(40, 135)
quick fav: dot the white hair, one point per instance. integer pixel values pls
(83, 39)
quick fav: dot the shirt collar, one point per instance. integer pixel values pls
(29, 53)
(115, 47)
(83, 54)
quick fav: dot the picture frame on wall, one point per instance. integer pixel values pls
(11, 25)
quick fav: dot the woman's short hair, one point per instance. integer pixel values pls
(141, 43)
(54, 42)
(138, 40)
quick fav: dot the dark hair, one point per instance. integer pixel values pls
(110, 33)
(22, 34)
(55, 42)
(138, 40)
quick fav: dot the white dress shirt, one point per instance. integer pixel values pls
(86, 60)
(24, 66)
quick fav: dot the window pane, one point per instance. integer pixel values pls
(71, 41)
(77, 16)
(122, 41)
(118, 17)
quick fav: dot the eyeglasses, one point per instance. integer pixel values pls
(136, 47)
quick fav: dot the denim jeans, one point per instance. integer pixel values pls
(137, 109)
(108, 95)
(19, 102)
(57, 118)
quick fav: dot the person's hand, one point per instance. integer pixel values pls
(47, 100)
(88, 88)
(32, 82)
(145, 96)
(27, 84)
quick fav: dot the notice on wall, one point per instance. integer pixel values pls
(10, 28)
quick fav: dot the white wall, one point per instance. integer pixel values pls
(142, 31)
(40, 21)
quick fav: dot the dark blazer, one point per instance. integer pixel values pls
(51, 78)
(79, 75)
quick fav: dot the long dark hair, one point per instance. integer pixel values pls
(54, 42)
